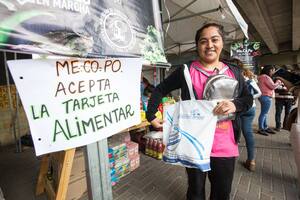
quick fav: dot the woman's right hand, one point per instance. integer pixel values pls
(286, 83)
(278, 81)
(157, 123)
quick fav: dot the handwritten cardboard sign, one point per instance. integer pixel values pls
(71, 103)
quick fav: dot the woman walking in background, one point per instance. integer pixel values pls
(247, 120)
(267, 87)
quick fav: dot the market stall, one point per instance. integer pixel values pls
(101, 49)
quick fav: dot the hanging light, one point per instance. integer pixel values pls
(222, 12)
(223, 16)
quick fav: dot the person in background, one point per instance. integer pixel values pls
(209, 42)
(247, 120)
(283, 99)
(144, 85)
(148, 90)
(267, 87)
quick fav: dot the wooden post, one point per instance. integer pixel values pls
(44, 184)
(65, 174)
(40, 186)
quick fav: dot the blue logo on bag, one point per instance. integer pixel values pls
(175, 138)
(194, 114)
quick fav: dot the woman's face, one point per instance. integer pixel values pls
(210, 45)
(272, 71)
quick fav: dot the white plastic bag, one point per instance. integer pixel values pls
(188, 131)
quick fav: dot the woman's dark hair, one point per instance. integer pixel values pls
(145, 81)
(266, 70)
(199, 31)
(148, 90)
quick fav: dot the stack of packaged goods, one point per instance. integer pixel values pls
(122, 163)
(154, 148)
(119, 161)
(114, 178)
(133, 155)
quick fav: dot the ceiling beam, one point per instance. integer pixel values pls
(296, 23)
(286, 58)
(257, 12)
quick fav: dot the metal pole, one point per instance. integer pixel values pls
(17, 118)
(98, 171)
(157, 15)
(158, 21)
(157, 69)
(10, 102)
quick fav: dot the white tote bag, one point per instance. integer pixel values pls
(188, 131)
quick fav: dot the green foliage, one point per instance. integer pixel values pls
(152, 48)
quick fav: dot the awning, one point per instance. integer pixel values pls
(181, 20)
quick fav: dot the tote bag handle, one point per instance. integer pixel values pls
(188, 80)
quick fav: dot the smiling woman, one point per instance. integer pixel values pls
(209, 41)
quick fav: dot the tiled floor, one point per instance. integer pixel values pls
(18, 174)
(274, 178)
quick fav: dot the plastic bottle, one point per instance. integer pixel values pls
(147, 147)
(150, 151)
(154, 149)
(159, 150)
(160, 109)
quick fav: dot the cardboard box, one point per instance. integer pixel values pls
(135, 162)
(132, 149)
(118, 150)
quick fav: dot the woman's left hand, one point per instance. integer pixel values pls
(224, 107)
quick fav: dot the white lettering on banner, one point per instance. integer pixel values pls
(43, 2)
(22, 2)
(72, 6)
(71, 103)
(80, 6)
